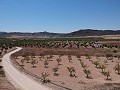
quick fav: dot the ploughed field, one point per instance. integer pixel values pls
(76, 65)
(73, 71)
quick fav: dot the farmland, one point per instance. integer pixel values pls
(69, 63)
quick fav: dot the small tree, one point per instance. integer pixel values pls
(105, 62)
(51, 56)
(96, 63)
(107, 74)
(46, 64)
(103, 67)
(55, 70)
(25, 54)
(40, 58)
(117, 68)
(69, 58)
(33, 62)
(109, 56)
(118, 57)
(32, 55)
(78, 56)
(27, 59)
(79, 60)
(58, 60)
(71, 71)
(97, 57)
(44, 77)
(88, 57)
(82, 64)
(87, 72)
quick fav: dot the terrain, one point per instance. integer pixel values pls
(62, 63)
(79, 33)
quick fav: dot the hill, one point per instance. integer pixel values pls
(79, 33)
(90, 32)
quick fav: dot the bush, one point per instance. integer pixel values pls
(115, 51)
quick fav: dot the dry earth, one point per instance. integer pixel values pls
(80, 82)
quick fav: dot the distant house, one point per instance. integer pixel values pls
(97, 45)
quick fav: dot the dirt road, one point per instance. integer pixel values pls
(20, 80)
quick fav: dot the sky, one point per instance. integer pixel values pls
(60, 16)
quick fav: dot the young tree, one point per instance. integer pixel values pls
(103, 67)
(118, 57)
(79, 60)
(96, 63)
(78, 56)
(46, 64)
(27, 58)
(32, 55)
(58, 60)
(107, 74)
(83, 65)
(69, 58)
(88, 56)
(55, 70)
(40, 58)
(33, 62)
(87, 72)
(117, 68)
(71, 71)
(44, 77)
(109, 56)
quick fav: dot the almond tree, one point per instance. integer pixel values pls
(88, 57)
(78, 56)
(58, 60)
(55, 70)
(46, 64)
(32, 55)
(83, 64)
(69, 58)
(109, 56)
(44, 77)
(96, 63)
(40, 58)
(33, 62)
(71, 71)
(107, 74)
(117, 68)
(87, 72)
(103, 68)
(118, 57)
(27, 59)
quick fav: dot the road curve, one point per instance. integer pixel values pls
(20, 80)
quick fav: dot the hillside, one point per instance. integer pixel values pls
(85, 32)
(90, 32)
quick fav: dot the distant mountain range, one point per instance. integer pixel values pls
(90, 32)
(85, 32)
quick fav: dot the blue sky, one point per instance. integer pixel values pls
(58, 15)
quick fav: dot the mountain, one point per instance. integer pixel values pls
(32, 35)
(85, 32)
(90, 32)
